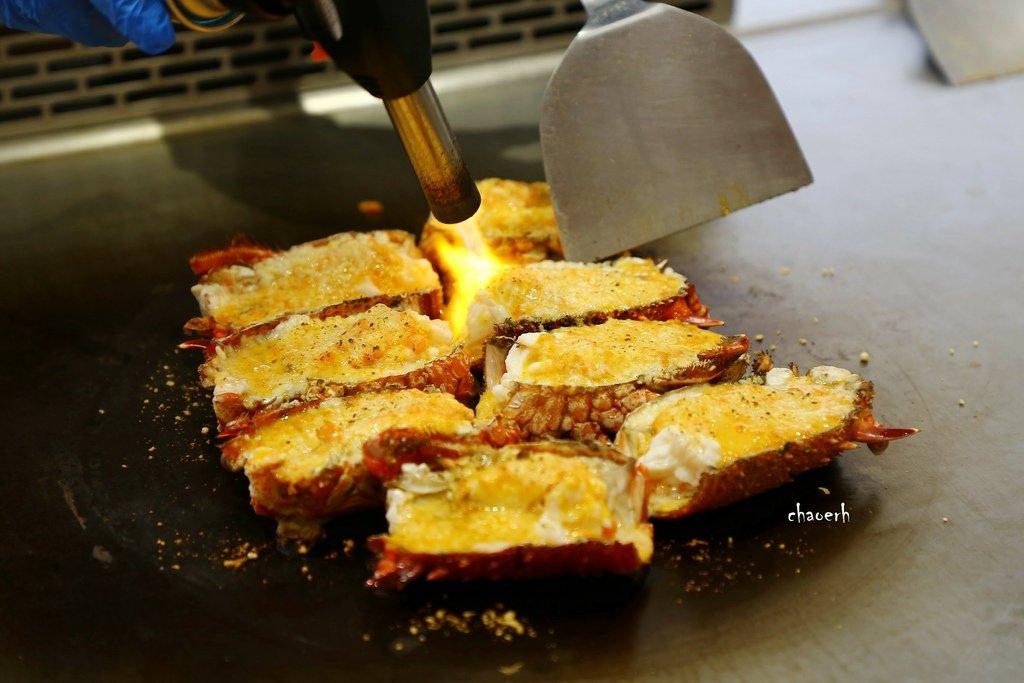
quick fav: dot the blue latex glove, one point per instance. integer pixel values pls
(111, 23)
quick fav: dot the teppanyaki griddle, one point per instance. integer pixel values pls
(118, 518)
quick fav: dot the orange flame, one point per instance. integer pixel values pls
(468, 265)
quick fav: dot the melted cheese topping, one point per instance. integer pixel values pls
(311, 276)
(509, 209)
(614, 352)
(301, 351)
(551, 290)
(495, 502)
(687, 432)
(332, 433)
(554, 289)
(486, 407)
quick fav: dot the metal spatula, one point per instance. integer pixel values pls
(656, 120)
(972, 40)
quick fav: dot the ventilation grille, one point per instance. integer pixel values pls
(47, 83)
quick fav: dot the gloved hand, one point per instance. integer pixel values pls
(111, 23)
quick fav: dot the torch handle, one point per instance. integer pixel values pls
(384, 45)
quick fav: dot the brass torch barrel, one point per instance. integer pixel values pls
(435, 155)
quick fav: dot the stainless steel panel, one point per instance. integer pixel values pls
(49, 83)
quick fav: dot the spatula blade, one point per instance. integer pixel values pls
(657, 122)
(972, 40)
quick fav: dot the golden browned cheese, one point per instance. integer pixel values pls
(689, 432)
(307, 277)
(486, 408)
(332, 433)
(516, 222)
(551, 290)
(486, 504)
(554, 289)
(302, 350)
(613, 352)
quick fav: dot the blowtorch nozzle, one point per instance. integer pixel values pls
(384, 45)
(434, 154)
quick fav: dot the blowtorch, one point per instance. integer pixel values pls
(384, 46)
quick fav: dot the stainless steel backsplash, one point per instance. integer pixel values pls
(50, 83)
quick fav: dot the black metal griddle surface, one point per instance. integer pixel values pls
(118, 519)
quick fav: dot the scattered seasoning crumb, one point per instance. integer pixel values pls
(204, 430)
(828, 272)
(815, 320)
(169, 382)
(945, 520)
(865, 357)
(101, 554)
(759, 337)
(734, 279)
(511, 669)
(951, 350)
(502, 624)
(238, 555)
(772, 347)
(803, 342)
(824, 490)
(102, 411)
(371, 208)
(366, 637)
(961, 402)
(785, 270)
(975, 343)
